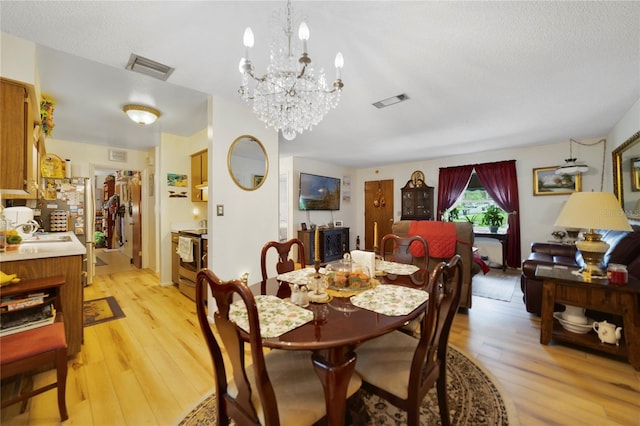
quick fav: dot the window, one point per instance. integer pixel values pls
(473, 204)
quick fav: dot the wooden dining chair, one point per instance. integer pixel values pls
(401, 368)
(396, 249)
(284, 263)
(279, 388)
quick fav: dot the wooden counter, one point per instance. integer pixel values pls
(49, 259)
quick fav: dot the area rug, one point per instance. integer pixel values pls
(100, 262)
(474, 399)
(496, 284)
(101, 310)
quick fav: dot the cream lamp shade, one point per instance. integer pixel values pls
(141, 114)
(593, 211)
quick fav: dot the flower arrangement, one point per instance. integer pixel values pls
(558, 235)
(47, 105)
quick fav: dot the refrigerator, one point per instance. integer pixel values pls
(68, 204)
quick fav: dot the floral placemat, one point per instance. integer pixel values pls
(392, 300)
(396, 268)
(276, 316)
(299, 276)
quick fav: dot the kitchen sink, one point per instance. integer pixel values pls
(47, 238)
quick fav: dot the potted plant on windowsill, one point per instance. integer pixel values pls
(492, 217)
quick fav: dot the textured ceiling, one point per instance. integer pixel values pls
(480, 75)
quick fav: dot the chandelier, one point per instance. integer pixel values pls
(291, 97)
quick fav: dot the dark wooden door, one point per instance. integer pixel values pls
(135, 218)
(378, 202)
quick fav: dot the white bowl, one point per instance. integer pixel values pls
(574, 328)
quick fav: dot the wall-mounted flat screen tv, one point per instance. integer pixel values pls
(319, 192)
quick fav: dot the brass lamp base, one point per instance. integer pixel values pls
(593, 250)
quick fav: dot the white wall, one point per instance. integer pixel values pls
(537, 213)
(250, 217)
(347, 213)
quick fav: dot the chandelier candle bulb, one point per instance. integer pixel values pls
(339, 63)
(248, 41)
(303, 34)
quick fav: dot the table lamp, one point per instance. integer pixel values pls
(593, 211)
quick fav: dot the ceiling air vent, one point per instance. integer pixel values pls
(147, 66)
(391, 101)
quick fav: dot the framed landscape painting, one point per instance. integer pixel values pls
(547, 182)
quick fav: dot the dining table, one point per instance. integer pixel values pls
(336, 327)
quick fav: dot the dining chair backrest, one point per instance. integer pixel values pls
(400, 252)
(445, 284)
(396, 249)
(284, 263)
(402, 369)
(238, 406)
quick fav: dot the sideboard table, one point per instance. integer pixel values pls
(562, 286)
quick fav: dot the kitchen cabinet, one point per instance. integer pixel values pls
(19, 169)
(334, 242)
(417, 201)
(199, 175)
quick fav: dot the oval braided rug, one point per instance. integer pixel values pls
(474, 399)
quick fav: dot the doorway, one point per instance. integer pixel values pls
(118, 220)
(378, 201)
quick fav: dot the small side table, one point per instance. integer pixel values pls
(504, 241)
(562, 286)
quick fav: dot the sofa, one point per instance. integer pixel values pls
(624, 249)
(464, 245)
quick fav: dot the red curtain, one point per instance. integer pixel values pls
(501, 183)
(452, 182)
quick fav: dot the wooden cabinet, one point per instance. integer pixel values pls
(71, 293)
(18, 150)
(417, 201)
(199, 175)
(334, 242)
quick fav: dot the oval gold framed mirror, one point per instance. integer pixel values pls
(247, 162)
(626, 175)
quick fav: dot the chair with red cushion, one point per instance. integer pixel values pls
(29, 350)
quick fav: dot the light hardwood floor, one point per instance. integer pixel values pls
(152, 366)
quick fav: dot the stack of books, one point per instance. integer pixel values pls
(24, 312)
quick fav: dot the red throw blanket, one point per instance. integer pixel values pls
(440, 236)
(483, 265)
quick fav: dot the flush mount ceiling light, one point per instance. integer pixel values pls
(391, 101)
(141, 114)
(290, 97)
